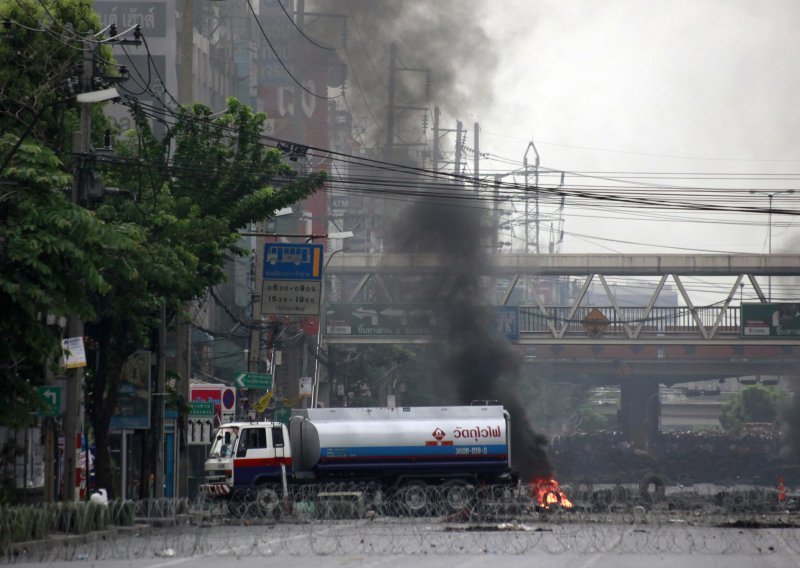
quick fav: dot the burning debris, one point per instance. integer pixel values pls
(548, 494)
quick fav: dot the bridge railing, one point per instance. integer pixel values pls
(660, 321)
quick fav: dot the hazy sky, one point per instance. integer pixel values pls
(676, 101)
(686, 86)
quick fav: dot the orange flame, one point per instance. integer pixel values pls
(548, 493)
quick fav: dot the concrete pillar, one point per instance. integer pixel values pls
(640, 411)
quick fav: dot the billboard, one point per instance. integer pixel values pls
(132, 411)
(211, 405)
(380, 319)
(409, 319)
(771, 320)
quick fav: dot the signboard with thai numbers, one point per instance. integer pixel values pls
(292, 261)
(291, 297)
(771, 320)
(50, 397)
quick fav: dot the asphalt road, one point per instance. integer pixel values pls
(422, 544)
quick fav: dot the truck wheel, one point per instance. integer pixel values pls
(414, 499)
(268, 503)
(458, 496)
(237, 508)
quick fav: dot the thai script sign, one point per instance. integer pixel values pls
(771, 320)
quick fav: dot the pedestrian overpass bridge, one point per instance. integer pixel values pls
(636, 347)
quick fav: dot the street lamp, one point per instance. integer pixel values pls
(770, 195)
(315, 387)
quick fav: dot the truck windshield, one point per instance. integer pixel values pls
(224, 443)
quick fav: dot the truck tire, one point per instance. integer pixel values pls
(414, 499)
(267, 502)
(458, 496)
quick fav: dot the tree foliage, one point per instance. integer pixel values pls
(753, 404)
(190, 193)
(367, 374)
(51, 250)
(162, 242)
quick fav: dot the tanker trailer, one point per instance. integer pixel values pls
(405, 450)
(394, 453)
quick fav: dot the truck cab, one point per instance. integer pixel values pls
(247, 454)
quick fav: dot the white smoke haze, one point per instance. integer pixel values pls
(701, 90)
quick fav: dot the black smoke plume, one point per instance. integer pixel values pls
(478, 364)
(446, 38)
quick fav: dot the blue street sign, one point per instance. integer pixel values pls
(292, 261)
(506, 322)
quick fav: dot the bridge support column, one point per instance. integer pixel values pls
(640, 412)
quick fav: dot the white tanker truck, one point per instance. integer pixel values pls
(397, 452)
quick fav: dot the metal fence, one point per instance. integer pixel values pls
(659, 321)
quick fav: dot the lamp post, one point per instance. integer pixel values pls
(770, 195)
(315, 385)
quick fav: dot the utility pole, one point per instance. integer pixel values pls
(389, 155)
(73, 418)
(459, 146)
(186, 78)
(770, 195)
(436, 148)
(257, 320)
(299, 49)
(476, 155)
(161, 387)
(183, 327)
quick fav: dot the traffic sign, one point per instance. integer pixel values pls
(198, 408)
(200, 430)
(51, 400)
(292, 261)
(254, 381)
(291, 297)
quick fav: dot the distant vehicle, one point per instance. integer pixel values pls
(399, 451)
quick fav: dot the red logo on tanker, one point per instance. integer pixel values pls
(440, 441)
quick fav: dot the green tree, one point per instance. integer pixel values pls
(49, 266)
(753, 404)
(194, 189)
(116, 266)
(49, 248)
(369, 373)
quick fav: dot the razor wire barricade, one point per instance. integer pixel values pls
(382, 537)
(459, 501)
(446, 519)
